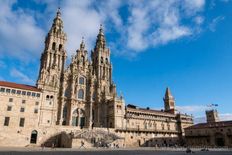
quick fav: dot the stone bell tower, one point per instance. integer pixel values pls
(212, 116)
(105, 89)
(51, 71)
(102, 66)
(53, 58)
(169, 102)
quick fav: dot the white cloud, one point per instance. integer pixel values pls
(191, 108)
(214, 23)
(199, 20)
(193, 6)
(21, 76)
(166, 34)
(146, 24)
(80, 20)
(19, 34)
(222, 117)
(225, 117)
(138, 25)
(158, 22)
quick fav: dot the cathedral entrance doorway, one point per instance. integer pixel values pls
(82, 123)
(75, 121)
(78, 118)
(75, 115)
(33, 137)
(219, 139)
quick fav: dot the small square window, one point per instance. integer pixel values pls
(18, 92)
(28, 93)
(23, 101)
(48, 121)
(13, 91)
(10, 99)
(9, 108)
(36, 103)
(35, 111)
(21, 122)
(2, 90)
(6, 121)
(23, 92)
(8, 90)
(33, 94)
(22, 109)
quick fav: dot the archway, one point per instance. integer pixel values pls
(78, 118)
(34, 134)
(75, 118)
(219, 139)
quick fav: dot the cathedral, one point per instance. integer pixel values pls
(84, 91)
(73, 103)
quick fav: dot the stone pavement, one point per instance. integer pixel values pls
(107, 151)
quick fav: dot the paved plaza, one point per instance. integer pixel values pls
(147, 151)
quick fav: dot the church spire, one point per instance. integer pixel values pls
(54, 56)
(169, 101)
(57, 25)
(101, 42)
(168, 93)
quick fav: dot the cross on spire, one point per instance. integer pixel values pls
(82, 45)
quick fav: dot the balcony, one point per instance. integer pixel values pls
(147, 130)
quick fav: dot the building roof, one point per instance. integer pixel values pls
(19, 86)
(147, 110)
(211, 125)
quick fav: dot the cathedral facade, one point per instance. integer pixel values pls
(84, 91)
(79, 99)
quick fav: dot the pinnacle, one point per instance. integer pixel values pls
(168, 93)
(101, 30)
(58, 13)
(82, 45)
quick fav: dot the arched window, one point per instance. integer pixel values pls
(81, 94)
(83, 60)
(106, 60)
(101, 59)
(82, 80)
(65, 110)
(94, 95)
(60, 47)
(66, 93)
(33, 137)
(53, 45)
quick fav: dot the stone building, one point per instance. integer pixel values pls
(213, 133)
(81, 99)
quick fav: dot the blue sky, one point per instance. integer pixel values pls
(183, 44)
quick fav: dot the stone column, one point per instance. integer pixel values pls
(61, 111)
(51, 59)
(70, 115)
(48, 59)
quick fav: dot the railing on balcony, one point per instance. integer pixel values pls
(147, 130)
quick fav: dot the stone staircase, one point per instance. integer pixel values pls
(95, 136)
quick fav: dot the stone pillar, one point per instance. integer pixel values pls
(51, 59)
(48, 60)
(69, 120)
(60, 121)
(90, 114)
